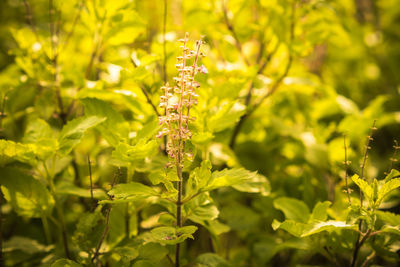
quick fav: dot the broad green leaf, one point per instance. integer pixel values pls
(73, 131)
(258, 184)
(320, 212)
(126, 253)
(364, 187)
(293, 209)
(89, 230)
(291, 226)
(170, 235)
(65, 263)
(66, 188)
(114, 129)
(131, 189)
(326, 226)
(202, 138)
(149, 130)
(211, 260)
(393, 174)
(203, 213)
(27, 245)
(36, 131)
(11, 151)
(125, 153)
(228, 177)
(153, 252)
(391, 229)
(28, 196)
(389, 217)
(226, 117)
(386, 189)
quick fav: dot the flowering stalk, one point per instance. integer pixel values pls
(177, 102)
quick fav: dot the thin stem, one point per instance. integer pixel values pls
(46, 229)
(54, 60)
(368, 259)
(71, 32)
(91, 183)
(1, 231)
(164, 42)
(29, 17)
(231, 28)
(59, 210)
(367, 147)
(178, 213)
(106, 228)
(358, 247)
(393, 158)
(274, 88)
(2, 113)
(346, 164)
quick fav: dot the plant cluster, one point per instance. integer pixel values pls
(254, 155)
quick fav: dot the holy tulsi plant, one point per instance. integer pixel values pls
(177, 102)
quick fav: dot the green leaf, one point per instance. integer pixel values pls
(28, 196)
(326, 226)
(131, 189)
(320, 212)
(124, 153)
(258, 184)
(27, 245)
(211, 260)
(389, 217)
(364, 187)
(11, 151)
(89, 230)
(115, 128)
(226, 117)
(393, 174)
(228, 177)
(73, 131)
(170, 235)
(293, 209)
(391, 229)
(292, 227)
(386, 189)
(67, 188)
(65, 263)
(203, 213)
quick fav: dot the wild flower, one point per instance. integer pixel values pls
(177, 101)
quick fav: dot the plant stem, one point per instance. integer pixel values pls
(91, 183)
(59, 210)
(1, 231)
(178, 212)
(358, 246)
(164, 42)
(46, 229)
(346, 169)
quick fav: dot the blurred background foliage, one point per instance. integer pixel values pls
(316, 70)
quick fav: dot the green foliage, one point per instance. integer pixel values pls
(85, 181)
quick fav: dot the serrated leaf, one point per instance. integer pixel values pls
(65, 263)
(73, 131)
(393, 174)
(228, 177)
(293, 209)
(170, 236)
(364, 187)
(27, 245)
(389, 217)
(28, 196)
(11, 151)
(66, 188)
(291, 226)
(203, 213)
(124, 153)
(320, 212)
(326, 226)
(258, 184)
(391, 229)
(226, 117)
(114, 129)
(386, 189)
(211, 260)
(131, 189)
